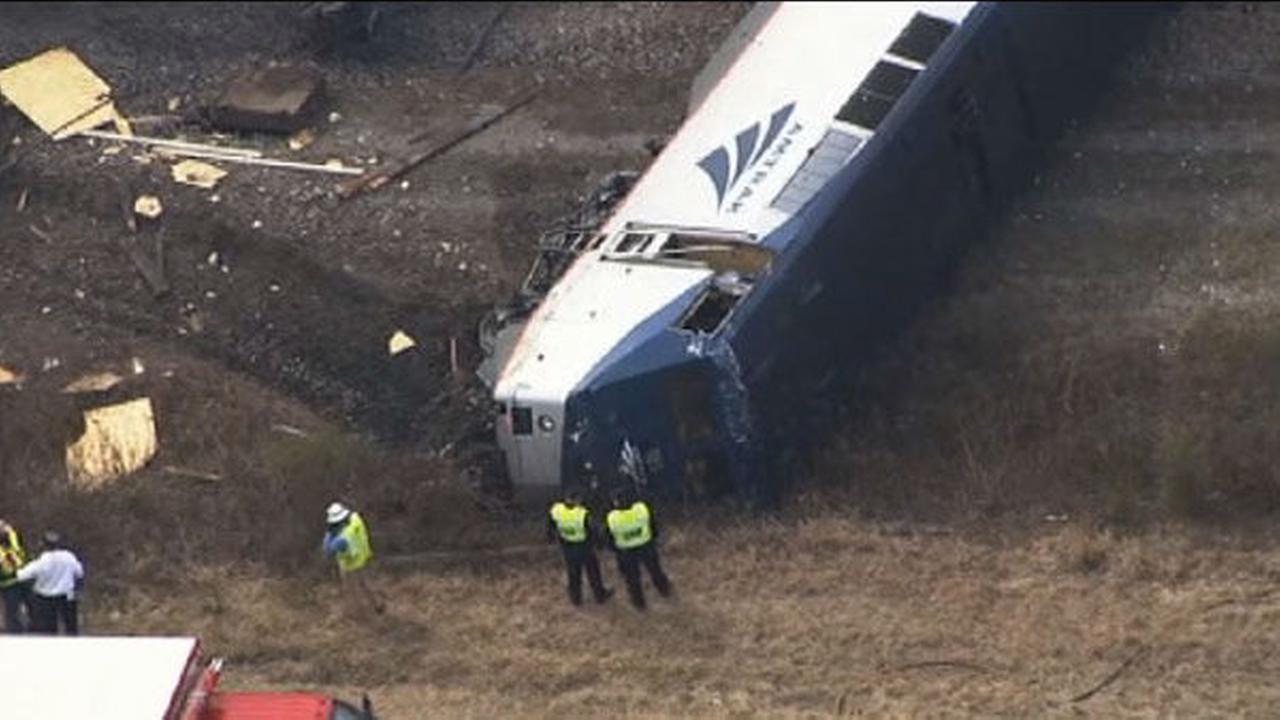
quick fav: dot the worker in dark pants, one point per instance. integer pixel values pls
(633, 535)
(569, 523)
(17, 594)
(58, 579)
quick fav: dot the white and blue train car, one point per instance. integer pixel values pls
(827, 176)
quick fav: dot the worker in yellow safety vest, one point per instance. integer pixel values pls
(347, 541)
(17, 593)
(633, 535)
(569, 523)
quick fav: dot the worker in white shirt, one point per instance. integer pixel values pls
(58, 576)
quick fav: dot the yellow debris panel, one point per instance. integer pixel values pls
(399, 342)
(8, 376)
(117, 440)
(200, 174)
(60, 94)
(97, 382)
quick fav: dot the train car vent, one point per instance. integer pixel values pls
(876, 96)
(922, 38)
(634, 242)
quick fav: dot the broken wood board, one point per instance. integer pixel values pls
(118, 439)
(8, 377)
(333, 166)
(279, 99)
(199, 174)
(399, 342)
(170, 143)
(94, 382)
(60, 94)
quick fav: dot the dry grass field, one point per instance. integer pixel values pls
(815, 617)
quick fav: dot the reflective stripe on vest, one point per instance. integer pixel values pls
(630, 527)
(571, 522)
(358, 552)
(11, 558)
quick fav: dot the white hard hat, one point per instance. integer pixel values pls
(337, 512)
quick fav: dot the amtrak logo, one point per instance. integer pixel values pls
(750, 149)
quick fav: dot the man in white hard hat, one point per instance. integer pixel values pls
(347, 541)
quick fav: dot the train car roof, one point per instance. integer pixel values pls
(774, 107)
(106, 678)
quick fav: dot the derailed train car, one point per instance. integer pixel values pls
(828, 175)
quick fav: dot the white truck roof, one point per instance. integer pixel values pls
(106, 678)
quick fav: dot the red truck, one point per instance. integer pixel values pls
(140, 678)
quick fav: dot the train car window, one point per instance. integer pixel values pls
(521, 420)
(711, 308)
(921, 38)
(634, 242)
(598, 241)
(830, 154)
(875, 97)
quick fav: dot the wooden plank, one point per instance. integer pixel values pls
(167, 143)
(267, 162)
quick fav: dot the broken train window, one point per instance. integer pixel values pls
(714, 303)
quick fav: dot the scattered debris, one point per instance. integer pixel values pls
(455, 370)
(289, 430)
(22, 200)
(199, 174)
(187, 148)
(281, 99)
(335, 117)
(118, 439)
(333, 166)
(9, 377)
(152, 271)
(50, 363)
(302, 138)
(399, 342)
(148, 206)
(173, 104)
(94, 382)
(60, 94)
(374, 181)
(41, 234)
(193, 474)
(138, 367)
